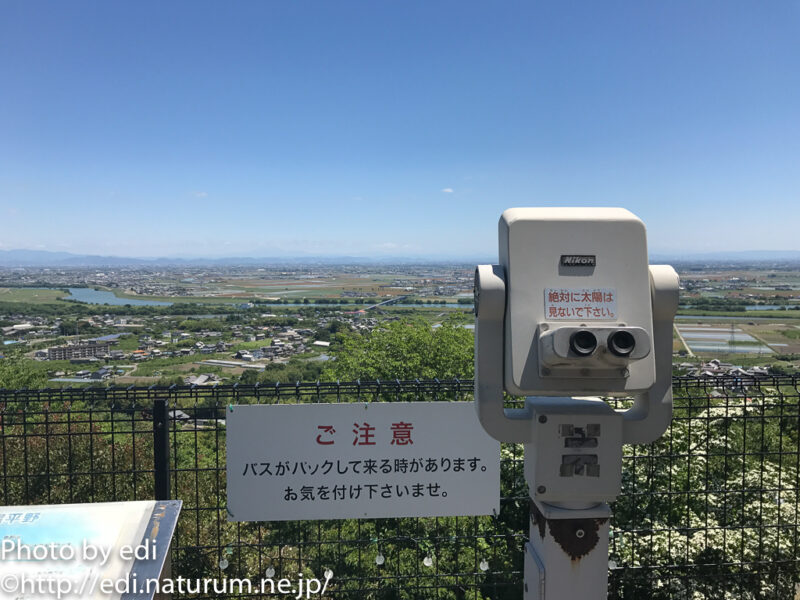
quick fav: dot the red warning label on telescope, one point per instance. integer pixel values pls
(584, 304)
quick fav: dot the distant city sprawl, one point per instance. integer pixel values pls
(205, 325)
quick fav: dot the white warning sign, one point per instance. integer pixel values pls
(584, 304)
(361, 460)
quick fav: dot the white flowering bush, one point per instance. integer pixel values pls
(711, 509)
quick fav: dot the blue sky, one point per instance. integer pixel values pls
(393, 128)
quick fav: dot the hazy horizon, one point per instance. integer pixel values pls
(374, 129)
(42, 258)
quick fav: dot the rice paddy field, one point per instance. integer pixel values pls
(738, 338)
(718, 339)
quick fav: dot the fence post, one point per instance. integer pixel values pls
(161, 448)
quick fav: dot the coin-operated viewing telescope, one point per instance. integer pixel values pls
(573, 309)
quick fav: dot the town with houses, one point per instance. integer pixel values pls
(212, 324)
(124, 350)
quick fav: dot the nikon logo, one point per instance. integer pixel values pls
(578, 260)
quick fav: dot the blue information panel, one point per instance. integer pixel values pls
(105, 550)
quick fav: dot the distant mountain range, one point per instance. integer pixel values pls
(748, 256)
(43, 258)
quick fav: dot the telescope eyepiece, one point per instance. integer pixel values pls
(621, 343)
(583, 343)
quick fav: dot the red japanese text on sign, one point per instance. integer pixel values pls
(401, 433)
(365, 434)
(585, 304)
(325, 438)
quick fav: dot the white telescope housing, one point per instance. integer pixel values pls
(573, 310)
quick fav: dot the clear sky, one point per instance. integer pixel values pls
(393, 128)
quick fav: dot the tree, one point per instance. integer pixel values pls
(74, 327)
(18, 373)
(404, 350)
(334, 327)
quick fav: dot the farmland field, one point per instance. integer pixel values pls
(30, 295)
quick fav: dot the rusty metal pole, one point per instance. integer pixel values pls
(574, 551)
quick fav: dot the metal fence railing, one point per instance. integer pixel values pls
(709, 511)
